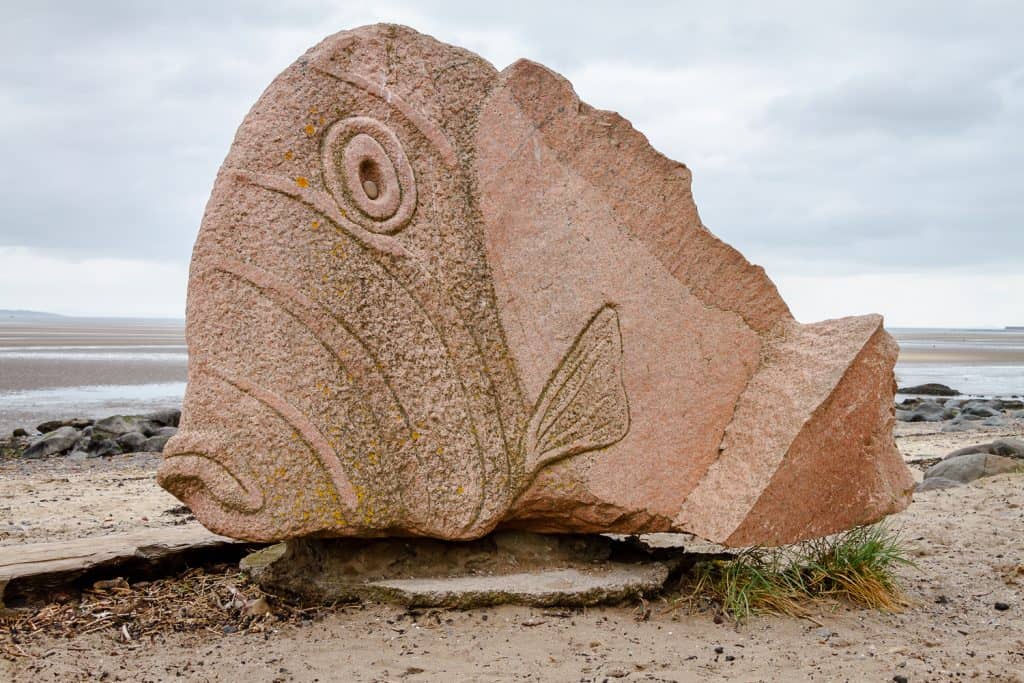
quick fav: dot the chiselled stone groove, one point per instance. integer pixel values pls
(308, 432)
(444, 308)
(440, 142)
(431, 132)
(256, 500)
(303, 309)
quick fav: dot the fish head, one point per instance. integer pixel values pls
(348, 373)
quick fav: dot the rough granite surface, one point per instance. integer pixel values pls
(429, 298)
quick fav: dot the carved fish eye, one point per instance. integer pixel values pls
(367, 172)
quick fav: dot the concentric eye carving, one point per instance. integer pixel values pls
(366, 170)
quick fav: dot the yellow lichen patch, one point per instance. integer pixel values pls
(440, 450)
(302, 181)
(415, 436)
(310, 129)
(337, 251)
(313, 110)
(288, 156)
(315, 225)
(460, 491)
(340, 292)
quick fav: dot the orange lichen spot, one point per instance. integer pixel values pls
(460, 491)
(315, 225)
(337, 251)
(321, 121)
(415, 436)
(288, 156)
(440, 450)
(310, 129)
(312, 110)
(302, 181)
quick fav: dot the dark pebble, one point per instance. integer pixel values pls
(941, 600)
(729, 658)
(899, 679)
(230, 629)
(1001, 606)
(719, 650)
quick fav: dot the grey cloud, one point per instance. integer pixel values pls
(891, 140)
(893, 104)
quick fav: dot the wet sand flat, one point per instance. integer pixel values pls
(88, 367)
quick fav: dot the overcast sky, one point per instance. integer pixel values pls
(868, 154)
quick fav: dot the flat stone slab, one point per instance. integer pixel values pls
(33, 569)
(573, 587)
(504, 567)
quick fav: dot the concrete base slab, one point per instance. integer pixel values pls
(505, 567)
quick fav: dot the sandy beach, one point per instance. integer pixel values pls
(967, 543)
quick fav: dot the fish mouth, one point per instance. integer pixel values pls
(219, 497)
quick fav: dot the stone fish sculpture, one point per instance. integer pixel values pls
(431, 299)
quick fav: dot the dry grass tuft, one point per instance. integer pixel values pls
(857, 566)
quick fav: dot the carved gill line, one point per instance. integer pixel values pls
(310, 314)
(430, 131)
(445, 310)
(255, 500)
(308, 432)
(443, 145)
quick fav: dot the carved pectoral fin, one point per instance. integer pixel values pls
(584, 405)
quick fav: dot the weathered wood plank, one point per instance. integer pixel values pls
(31, 569)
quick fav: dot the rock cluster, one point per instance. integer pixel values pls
(965, 465)
(960, 415)
(80, 438)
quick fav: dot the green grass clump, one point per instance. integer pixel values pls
(857, 566)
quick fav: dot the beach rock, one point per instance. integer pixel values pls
(977, 410)
(1011, 404)
(165, 418)
(19, 432)
(102, 448)
(116, 425)
(957, 425)
(925, 411)
(155, 444)
(993, 422)
(165, 431)
(1011, 448)
(930, 389)
(967, 468)
(969, 450)
(432, 299)
(51, 425)
(936, 483)
(55, 442)
(130, 442)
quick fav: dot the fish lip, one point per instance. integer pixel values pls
(211, 490)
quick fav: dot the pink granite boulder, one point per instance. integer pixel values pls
(433, 299)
